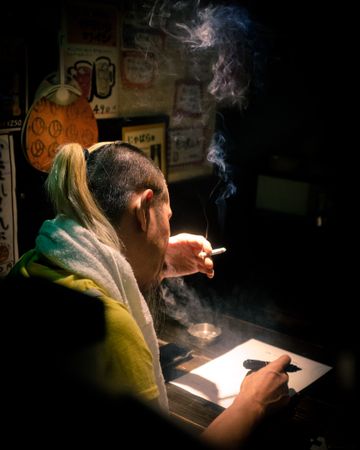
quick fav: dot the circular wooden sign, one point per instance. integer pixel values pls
(50, 125)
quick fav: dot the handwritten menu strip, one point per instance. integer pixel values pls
(8, 212)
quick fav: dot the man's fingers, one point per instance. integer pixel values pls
(280, 363)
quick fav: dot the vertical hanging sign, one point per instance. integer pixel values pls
(91, 55)
(8, 214)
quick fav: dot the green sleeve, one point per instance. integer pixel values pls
(121, 361)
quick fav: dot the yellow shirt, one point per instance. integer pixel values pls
(119, 360)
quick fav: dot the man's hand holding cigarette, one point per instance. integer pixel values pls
(188, 254)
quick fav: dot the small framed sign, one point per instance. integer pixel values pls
(187, 146)
(149, 134)
(188, 98)
(138, 69)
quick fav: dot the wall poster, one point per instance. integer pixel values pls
(139, 62)
(91, 55)
(8, 211)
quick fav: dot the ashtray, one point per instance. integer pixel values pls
(205, 332)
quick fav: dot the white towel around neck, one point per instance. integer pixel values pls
(72, 247)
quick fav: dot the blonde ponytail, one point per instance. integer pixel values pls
(68, 191)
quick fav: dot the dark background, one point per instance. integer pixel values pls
(283, 270)
(280, 270)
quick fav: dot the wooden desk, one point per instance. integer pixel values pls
(318, 411)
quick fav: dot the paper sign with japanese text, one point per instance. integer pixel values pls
(8, 211)
(91, 55)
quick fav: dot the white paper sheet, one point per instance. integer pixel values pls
(219, 380)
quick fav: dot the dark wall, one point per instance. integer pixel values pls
(282, 269)
(33, 31)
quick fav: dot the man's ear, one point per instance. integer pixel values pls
(143, 207)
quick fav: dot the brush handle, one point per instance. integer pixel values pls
(256, 364)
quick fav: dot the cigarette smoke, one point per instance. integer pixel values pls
(216, 155)
(184, 304)
(226, 34)
(227, 39)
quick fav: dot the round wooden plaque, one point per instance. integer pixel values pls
(50, 124)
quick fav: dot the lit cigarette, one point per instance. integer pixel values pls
(218, 251)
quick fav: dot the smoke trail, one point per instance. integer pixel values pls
(228, 40)
(216, 155)
(224, 32)
(183, 303)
